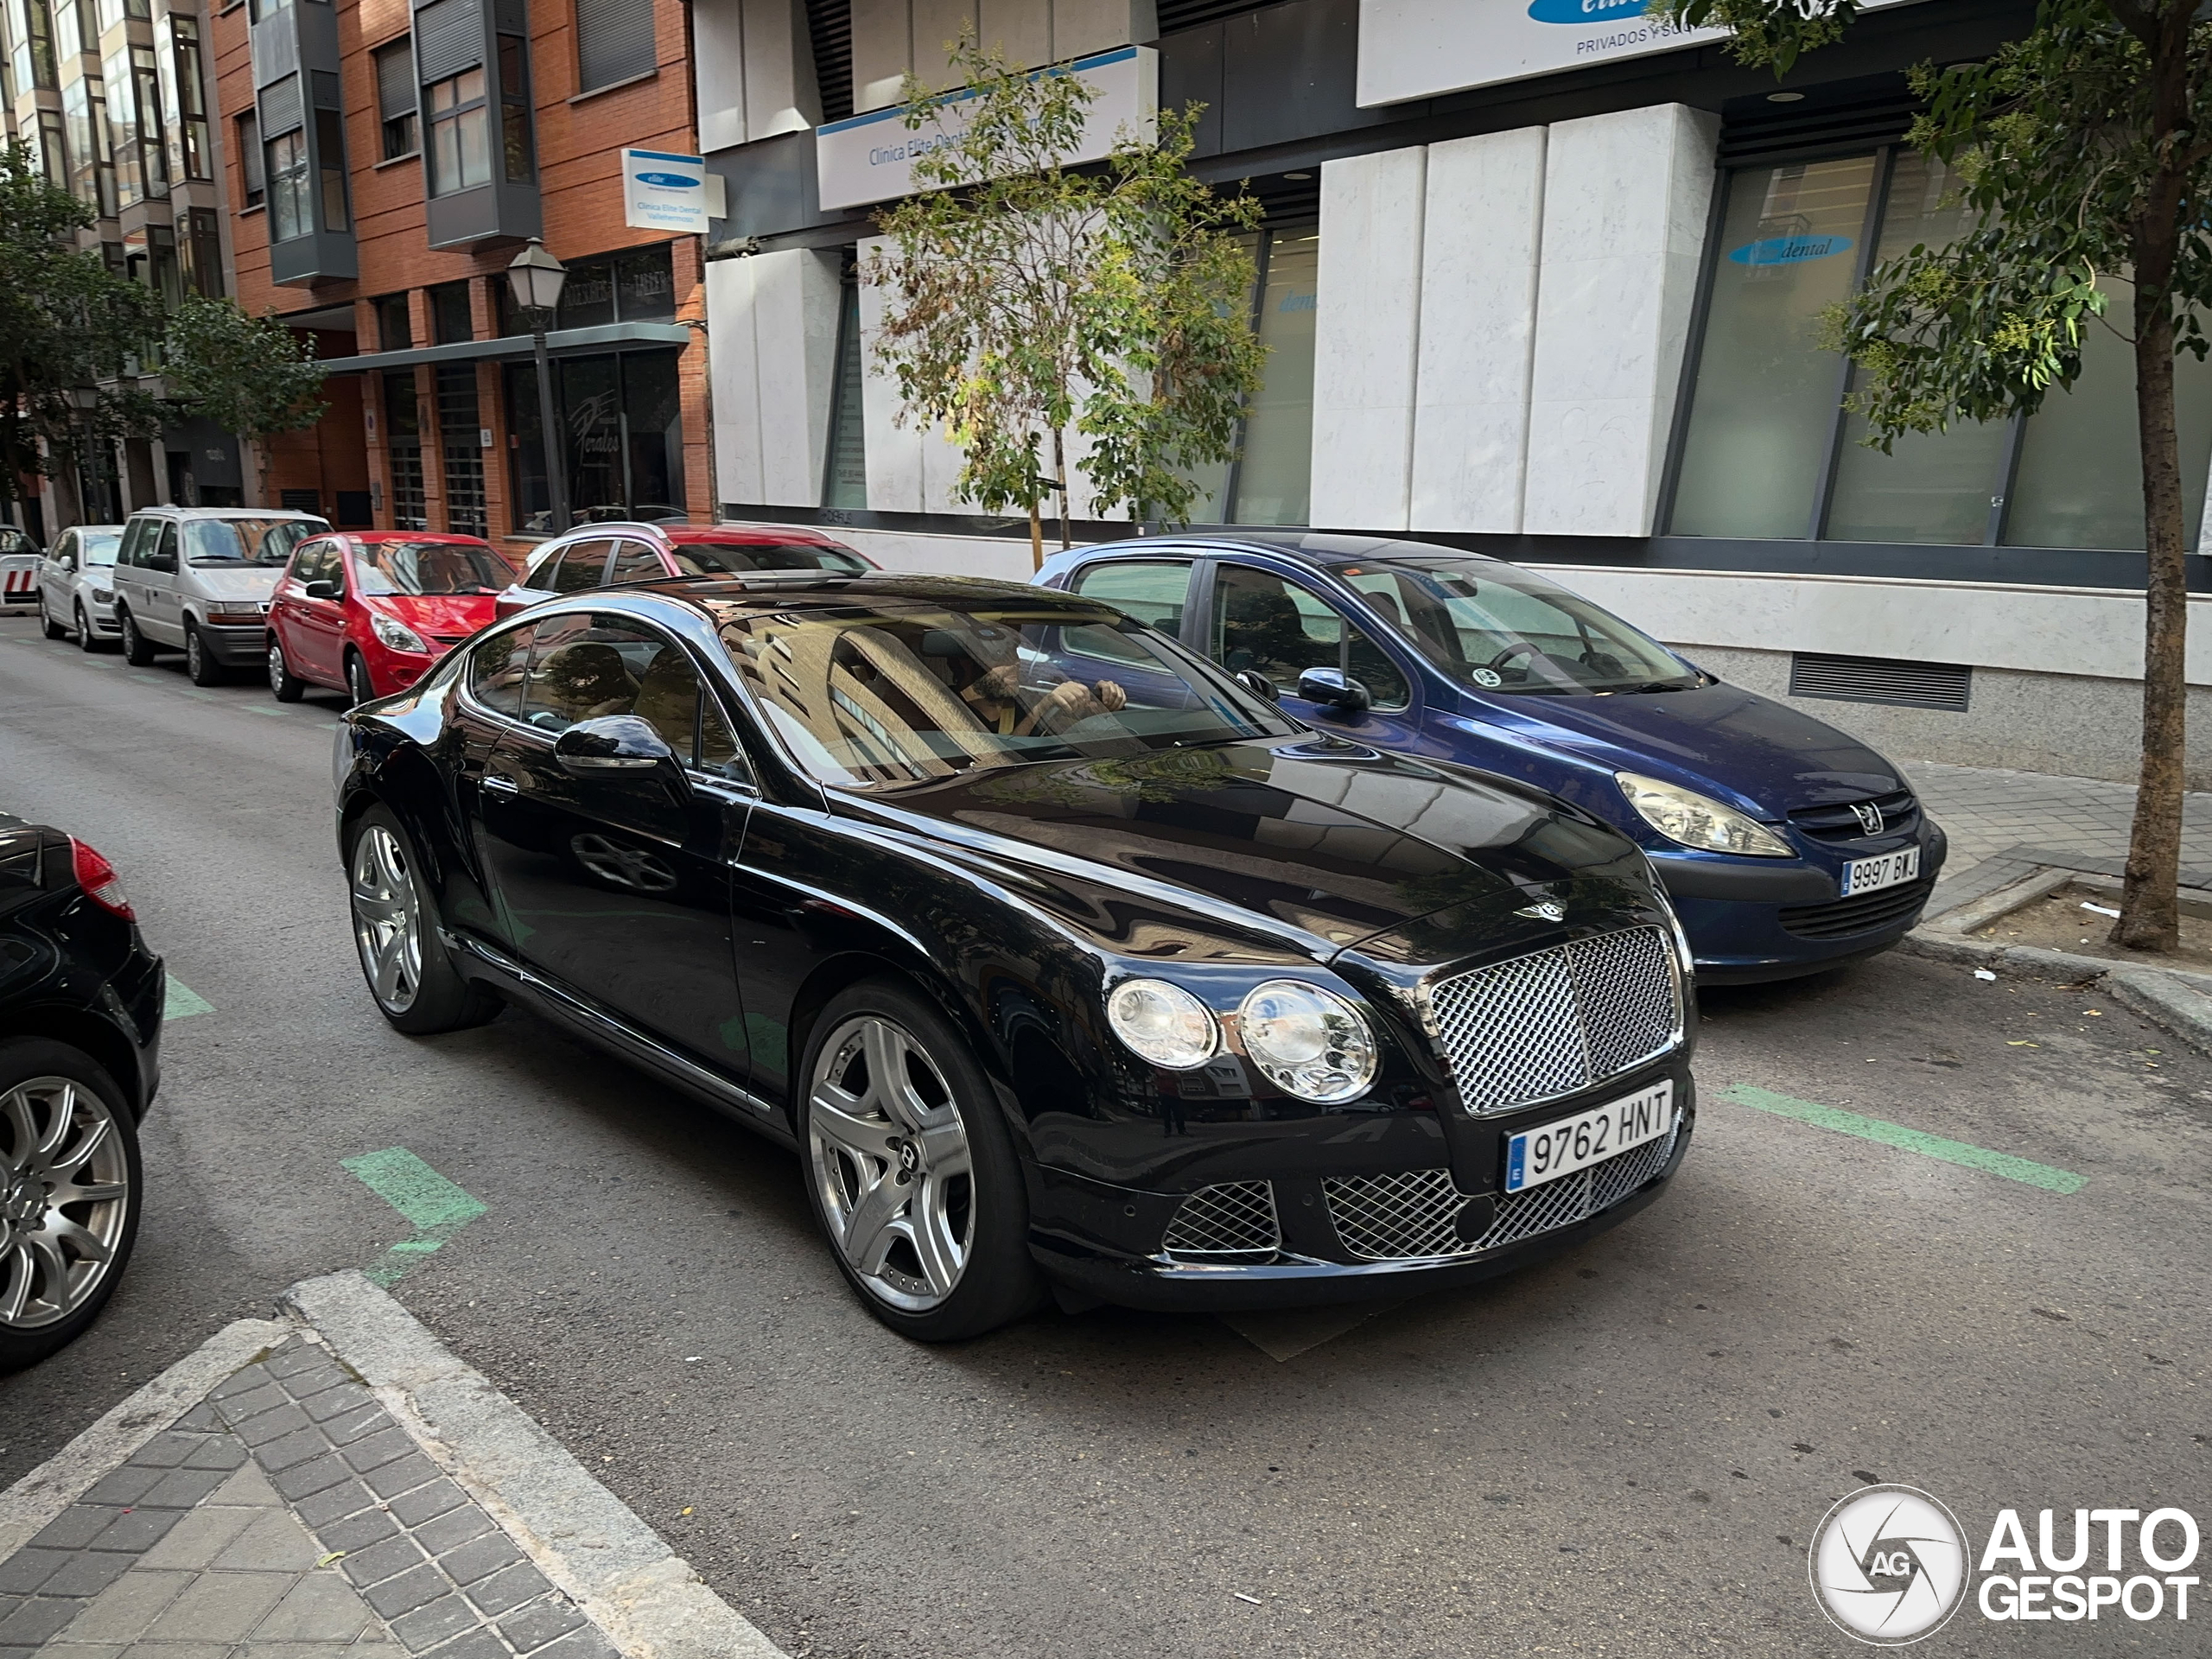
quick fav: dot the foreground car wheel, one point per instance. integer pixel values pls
(358, 688)
(911, 1170)
(47, 625)
(137, 649)
(286, 686)
(69, 1196)
(415, 986)
(85, 642)
(199, 664)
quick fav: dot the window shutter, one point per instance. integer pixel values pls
(280, 108)
(450, 38)
(395, 79)
(326, 91)
(614, 42)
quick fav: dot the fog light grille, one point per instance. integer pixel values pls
(1234, 1218)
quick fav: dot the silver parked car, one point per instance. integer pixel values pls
(76, 585)
(199, 579)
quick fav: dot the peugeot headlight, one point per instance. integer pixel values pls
(1693, 820)
(1163, 1023)
(398, 635)
(1307, 1041)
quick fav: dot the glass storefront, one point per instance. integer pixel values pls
(1769, 453)
(622, 417)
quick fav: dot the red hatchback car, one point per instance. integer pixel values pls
(368, 612)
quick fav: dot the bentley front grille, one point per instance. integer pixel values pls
(1547, 1024)
(1232, 1221)
(1410, 1217)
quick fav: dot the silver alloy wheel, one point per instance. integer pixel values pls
(357, 680)
(84, 629)
(275, 666)
(891, 1163)
(65, 1187)
(387, 919)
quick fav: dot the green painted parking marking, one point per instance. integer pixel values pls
(433, 1205)
(181, 1002)
(261, 709)
(2025, 1170)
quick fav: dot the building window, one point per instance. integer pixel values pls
(845, 476)
(396, 98)
(330, 164)
(402, 441)
(520, 157)
(1270, 481)
(146, 85)
(53, 148)
(92, 173)
(450, 323)
(289, 214)
(251, 176)
(260, 10)
(461, 144)
(622, 416)
(395, 328)
(1770, 453)
(461, 442)
(201, 248)
(191, 97)
(614, 42)
(38, 22)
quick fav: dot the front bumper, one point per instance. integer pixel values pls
(1109, 1241)
(237, 647)
(1753, 920)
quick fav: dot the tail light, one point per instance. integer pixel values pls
(98, 880)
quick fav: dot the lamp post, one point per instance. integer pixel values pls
(536, 278)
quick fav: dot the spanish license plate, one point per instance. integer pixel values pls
(1886, 870)
(1535, 1156)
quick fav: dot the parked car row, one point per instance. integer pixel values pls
(1218, 921)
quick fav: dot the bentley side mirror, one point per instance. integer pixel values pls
(1258, 683)
(1333, 689)
(619, 743)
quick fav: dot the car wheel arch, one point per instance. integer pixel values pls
(889, 959)
(91, 1036)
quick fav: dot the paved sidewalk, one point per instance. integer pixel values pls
(1985, 812)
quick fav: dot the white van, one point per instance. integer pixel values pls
(198, 580)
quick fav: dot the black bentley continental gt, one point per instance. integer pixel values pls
(1064, 959)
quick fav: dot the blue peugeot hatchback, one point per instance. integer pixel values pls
(1787, 846)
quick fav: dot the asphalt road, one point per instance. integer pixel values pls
(1622, 1451)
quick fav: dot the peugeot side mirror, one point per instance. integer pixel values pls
(321, 591)
(619, 743)
(1333, 689)
(1258, 683)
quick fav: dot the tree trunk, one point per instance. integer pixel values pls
(2150, 903)
(1060, 483)
(1036, 539)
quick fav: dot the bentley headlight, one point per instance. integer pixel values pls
(1685, 816)
(1163, 1023)
(1308, 1042)
(397, 634)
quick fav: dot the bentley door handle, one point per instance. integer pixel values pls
(498, 783)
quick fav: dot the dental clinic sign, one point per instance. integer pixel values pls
(871, 158)
(663, 192)
(1416, 48)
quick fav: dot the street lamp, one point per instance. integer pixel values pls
(536, 278)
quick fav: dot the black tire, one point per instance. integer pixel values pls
(86, 641)
(999, 1281)
(47, 625)
(26, 1340)
(439, 999)
(199, 664)
(358, 688)
(137, 649)
(283, 682)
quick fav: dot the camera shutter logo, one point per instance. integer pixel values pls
(1889, 1564)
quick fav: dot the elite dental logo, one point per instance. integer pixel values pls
(1890, 1565)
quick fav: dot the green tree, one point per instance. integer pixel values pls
(71, 334)
(1027, 300)
(250, 375)
(2079, 151)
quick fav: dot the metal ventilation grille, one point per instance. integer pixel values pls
(830, 25)
(1862, 914)
(1235, 1218)
(1176, 15)
(1410, 1217)
(1550, 1023)
(1755, 129)
(1881, 679)
(1839, 821)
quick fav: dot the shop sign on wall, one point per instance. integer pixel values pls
(871, 158)
(663, 191)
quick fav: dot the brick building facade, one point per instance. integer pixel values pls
(385, 162)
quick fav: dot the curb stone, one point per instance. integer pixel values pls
(2179, 1002)
(587, 1541)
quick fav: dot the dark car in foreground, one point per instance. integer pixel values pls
(1062, 957)
(80, 1027)
(1788, 847)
